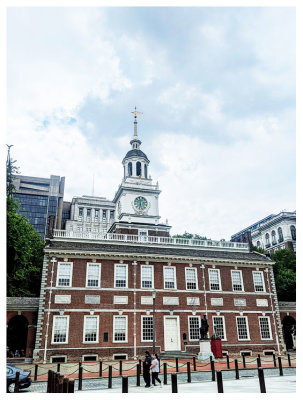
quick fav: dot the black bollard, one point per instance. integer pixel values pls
(259, 361)
(71, 386)
(80, 364)
(58, 367)
(243, 360)
(227, 361)
(110, 376)
(49, 379)
(80, 378)
(120, 367)
(213, 373)
(289, 362)
(188, 372)
(124, 384)
(36, 372)
(159, 365)
(100, 369)
(140, 361)
(219, 382)
(16, 390)
(138, 374)
(261, 380)
(274, 360)
(280, 366)
(177, 365)
(194, 364)
(165, 373)
(174, 383)
(237, 369)
(65, 385)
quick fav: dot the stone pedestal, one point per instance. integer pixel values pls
(205, 351)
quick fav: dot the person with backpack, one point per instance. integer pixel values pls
(146, 369)
(155, 367)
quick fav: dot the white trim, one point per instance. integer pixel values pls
(120, 354)
(247, 327)
(120, 287)
(90, 355)
(196, 276)
(224, 353)
(142, 317)
(241, 277)
(152, 267)
(189, 310)
(53, 326)
(99, 277)
(175, 277)
(178, 330)
(269, 326)
(59, 355)
(126, 330)
(262, 276)
(224, 329)
(219, 274)
(70, 275)
(97, 333)
(188, 319)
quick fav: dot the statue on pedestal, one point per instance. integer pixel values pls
(203, 328)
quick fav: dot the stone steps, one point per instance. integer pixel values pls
(170, 355)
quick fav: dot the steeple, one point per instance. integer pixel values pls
(136, 142)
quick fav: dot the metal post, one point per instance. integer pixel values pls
(261, 380)
(154, 324)
(219, 382)
(188, 372)
(120, 367)
(274, 360)
(280, 366)
(237, 369)
(65, 385)
(177, 366)
(138, 374)
(36, 372)
(110, 376)
(124, 384)
(289, 362)
(100, 369)
(194, 364)
(165, 373)
(259, 361)
(174, 383)
(213, 373)
(80, 378)
(49, 378)
(243, 359)
(140, 362)
(58, 367)
(227, 361)
(71, 386)
(16, 390)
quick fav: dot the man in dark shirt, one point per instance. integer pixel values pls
(146, 369)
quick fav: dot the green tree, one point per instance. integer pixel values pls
(258, 249)
(187, 235)
(285, 274)
(24, 247)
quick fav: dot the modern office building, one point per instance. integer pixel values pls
(39, 199)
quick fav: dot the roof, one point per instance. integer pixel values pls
(135, 153)
(154, 250)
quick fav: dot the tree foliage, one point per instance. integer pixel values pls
(285, 274)
(24, 249)
(258, 249)
(187, 235)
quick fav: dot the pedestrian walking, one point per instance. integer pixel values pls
(146, 369)
(155, 370)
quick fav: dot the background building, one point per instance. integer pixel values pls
(39, 199)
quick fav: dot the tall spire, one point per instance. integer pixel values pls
(135, 142)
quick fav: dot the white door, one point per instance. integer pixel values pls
(171, 334)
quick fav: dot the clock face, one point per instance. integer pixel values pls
(140, 203)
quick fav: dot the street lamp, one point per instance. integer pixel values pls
(154, 319)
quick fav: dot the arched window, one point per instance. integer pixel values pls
(280, 233)
(267, 240)
(258, 244)
(138, 168)
(130, 169)
(145, 171)
(293, 232)
(273, 237)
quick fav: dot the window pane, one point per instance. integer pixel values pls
(169, 278)
(264, 328)
(236, 280)
(64, 271)
(219, 327)
(120, 275)
(147, 328)
(214, 280)
(258, 281)
(60, 329)
(194, 326)
(191, 282)
(120, 329)
(242, 328)
(93, 271)
(90, 334)
(146, 277)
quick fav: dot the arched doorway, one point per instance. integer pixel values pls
(289, 331)
(17, 333)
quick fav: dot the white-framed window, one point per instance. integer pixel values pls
(269, 352)
(143, 235)
(90, 357)
(169, 277)
(121, 276)
(191, 278)
(246, 353)
(58, 359)
(120, 356)
(60, 329)
(64, 274)
(219, 327)
(93, 272)
(265, 328)
(80, 214)
(91, 329)
(97, 214)
(146, 328)
(242, 328)
(194, 328)
(258, 281)
(214, 279)
(147, 276)
(237, 281)
(120, 328)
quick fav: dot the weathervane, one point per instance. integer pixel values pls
(136, 112)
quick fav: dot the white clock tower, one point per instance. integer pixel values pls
(136, 199)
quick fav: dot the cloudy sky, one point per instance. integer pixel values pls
(216, 87)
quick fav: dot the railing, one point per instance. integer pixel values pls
(117, 237)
